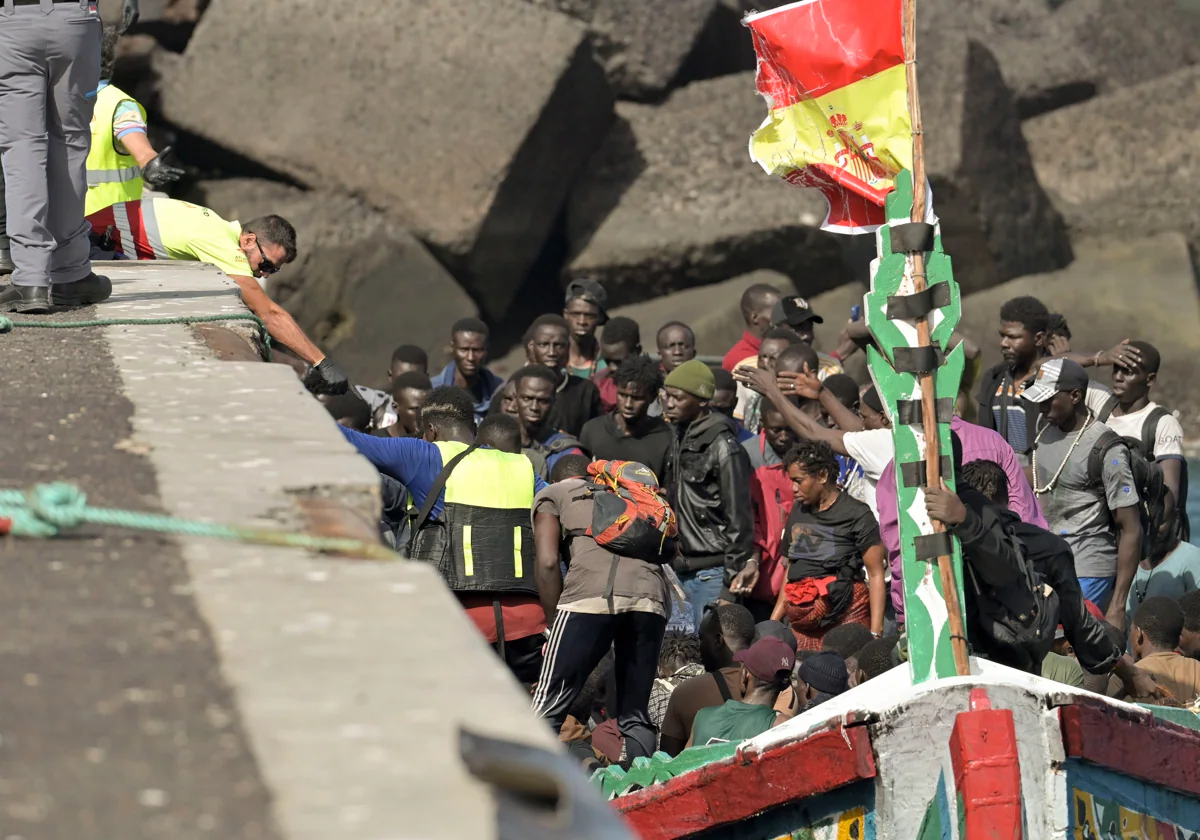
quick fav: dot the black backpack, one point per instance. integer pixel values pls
(1147, 480)
(1145, 449)
(1022, 616)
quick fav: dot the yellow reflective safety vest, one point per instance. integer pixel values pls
(112, 177)
(483, 539)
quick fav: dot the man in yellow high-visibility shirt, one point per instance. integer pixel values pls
(168, 229)
(121, 159)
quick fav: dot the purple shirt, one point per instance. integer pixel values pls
(979, 444)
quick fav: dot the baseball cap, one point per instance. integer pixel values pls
(591, 291)
(1054, 376)
(775, 630)
(767, 658)
(793, 311)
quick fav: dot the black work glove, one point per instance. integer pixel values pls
(159, 173)
(326, 377)
(129, 15)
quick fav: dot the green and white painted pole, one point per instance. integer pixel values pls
(912, 309)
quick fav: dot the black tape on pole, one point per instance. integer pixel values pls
(933, 546)
(920, 304)
(910, 412)
(913, 472)
(911, 237)
(917, 359)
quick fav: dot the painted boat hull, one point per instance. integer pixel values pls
(999, 754)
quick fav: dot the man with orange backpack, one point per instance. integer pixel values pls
(615, 530)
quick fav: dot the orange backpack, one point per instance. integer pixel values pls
(631, 517)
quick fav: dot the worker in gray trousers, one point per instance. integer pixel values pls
(49, 73)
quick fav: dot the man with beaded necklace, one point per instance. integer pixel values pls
(1099, 520)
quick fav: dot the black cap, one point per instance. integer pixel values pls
(793, 311)
(591, 291)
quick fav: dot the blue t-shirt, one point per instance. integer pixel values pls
(413, 462)
(1177, 575)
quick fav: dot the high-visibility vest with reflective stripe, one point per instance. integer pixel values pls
(483, 539)
(170, 229)
(111, 176)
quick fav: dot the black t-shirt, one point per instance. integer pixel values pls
(605, 440)
(821, 543)
(577, 401)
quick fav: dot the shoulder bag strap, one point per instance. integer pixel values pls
(1150, 432)
(435, 490)
(722, 686)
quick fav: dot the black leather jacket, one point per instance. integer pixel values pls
(707, 477)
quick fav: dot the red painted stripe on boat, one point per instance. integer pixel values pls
(987, 772)
(749, 783)
(1136, 745)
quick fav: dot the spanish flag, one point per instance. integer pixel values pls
(832, 72)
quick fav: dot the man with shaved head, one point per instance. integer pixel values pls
(757, 303)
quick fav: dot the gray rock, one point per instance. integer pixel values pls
(997, 222)
(672, 200)
(642, 44)
(1091, 47)
(1126, 161)
(361, 285)
(1137, 288)
(467, 121)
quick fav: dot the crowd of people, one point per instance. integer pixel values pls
(779, 581)
(668, 553)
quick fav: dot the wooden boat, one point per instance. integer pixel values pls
(997, 754)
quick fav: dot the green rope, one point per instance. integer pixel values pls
(7, 324)
(49, 509)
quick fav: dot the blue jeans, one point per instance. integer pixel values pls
(702, 588)
(1098, 590)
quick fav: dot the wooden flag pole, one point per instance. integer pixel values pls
(958, 636)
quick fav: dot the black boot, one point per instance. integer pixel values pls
(91, 289)
(31, 300)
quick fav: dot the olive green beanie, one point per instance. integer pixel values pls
(694, 377)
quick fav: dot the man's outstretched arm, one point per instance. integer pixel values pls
(325, 376)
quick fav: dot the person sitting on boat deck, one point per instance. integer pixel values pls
(584, 312)
(678, 661)
(707, 476)
(1138, 417)
(1003, 406)
(1099, 516)
(576, 400)
(121, 159)
(676, 344)
(405, 358)
(821, 677)
(1154, 641)
(766, 670)
(1172, 570)
(473, 523)
(167, 229)
(629, 433)
(1189, 639)
(875, 659)
(847, 641)
(409, 393)
(996, 548)
(620, 339)
(725, 629)
(535, 389)
(607, 600)
(829, 540)
(468, 369)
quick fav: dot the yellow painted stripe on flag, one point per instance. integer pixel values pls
(468, 553)
(868, 119)
(517, 564)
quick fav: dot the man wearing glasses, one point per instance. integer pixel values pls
(168, 229)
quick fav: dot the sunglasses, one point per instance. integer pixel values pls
(265, 266)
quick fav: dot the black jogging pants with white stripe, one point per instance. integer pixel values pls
(578, 641)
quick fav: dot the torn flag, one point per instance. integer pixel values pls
(832, 72)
